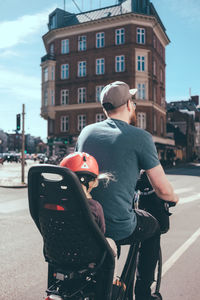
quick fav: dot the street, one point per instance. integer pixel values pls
(24, 272)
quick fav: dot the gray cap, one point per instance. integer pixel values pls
(116, 93)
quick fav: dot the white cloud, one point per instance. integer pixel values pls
(17, 31)
(8, 53)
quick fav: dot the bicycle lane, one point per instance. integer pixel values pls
(180, 247)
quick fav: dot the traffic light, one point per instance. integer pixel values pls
(18, 118)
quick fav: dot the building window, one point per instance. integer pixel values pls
(120, 63)
(141, 63)
(119, 36)
(99, 88)
(65, 46)
(154, 67)
(100, 40)
(45, 98)
(100, 117)
(140, 35)
(51, 50)
(81, 122)
(82, 43)
(81, 68)
(141, 120)
(52, 98)
(100, 66)
(141, 93)
(64, 97)
(52, 22)
(53, 73)
(46, 74)
(154, 41)
(64, 123)
(65, 71)
(162, 125)
(82, 95)
(161, 75)
(154, 123)
(154, 94)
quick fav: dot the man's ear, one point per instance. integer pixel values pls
(129, 105)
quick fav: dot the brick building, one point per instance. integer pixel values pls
(88, 50)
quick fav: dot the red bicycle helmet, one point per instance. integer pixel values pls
(81, 162)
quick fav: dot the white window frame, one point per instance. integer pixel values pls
(100, 117)
(65, 46)
(51, 49)
(64, 97)
(52, 98)
(100, 39)
(52, 73)
(99, 88)
(162, 125)
(64, 71)
(154, 68)
(82, 43)
(81, 122)
(119, 36)
(82, 95)
(45, 97)
(46, 74)
(141, 91)
(100, 66)
(141, 63)
(120, 63)
(140, 35)
(141, 120)
(81, 69)
(64, 123)
(154, 123)
(154, 93)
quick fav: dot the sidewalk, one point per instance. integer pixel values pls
(10, 174)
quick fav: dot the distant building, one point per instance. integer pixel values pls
(184, 122)
(3, 141)
(88, 50)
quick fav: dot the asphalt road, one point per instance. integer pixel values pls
(24, 272)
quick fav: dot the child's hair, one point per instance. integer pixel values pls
(86, 168)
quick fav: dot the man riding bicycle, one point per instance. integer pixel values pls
(123, 149)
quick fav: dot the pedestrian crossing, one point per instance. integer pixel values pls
(186, 195)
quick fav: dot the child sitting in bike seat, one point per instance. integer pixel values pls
(86, 168)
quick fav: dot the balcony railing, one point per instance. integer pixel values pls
(48, 56)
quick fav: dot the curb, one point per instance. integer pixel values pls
(14, 186)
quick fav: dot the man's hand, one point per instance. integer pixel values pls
(161, 185)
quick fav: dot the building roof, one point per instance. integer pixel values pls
(186, 105)
(126, 6)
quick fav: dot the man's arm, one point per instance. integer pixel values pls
(161, 185)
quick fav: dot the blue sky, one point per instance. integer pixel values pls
(21, 47)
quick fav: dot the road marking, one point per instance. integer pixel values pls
(183, 190)
(189, 199)
(177, 254)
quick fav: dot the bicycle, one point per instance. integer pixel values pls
(80, 261)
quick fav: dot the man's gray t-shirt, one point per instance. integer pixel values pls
(122, 150)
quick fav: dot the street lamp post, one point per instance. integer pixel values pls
(23, 142)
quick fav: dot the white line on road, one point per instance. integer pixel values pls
(189, 199)
(183, 190)
(177, 254)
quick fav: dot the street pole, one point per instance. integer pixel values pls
(23, 142)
